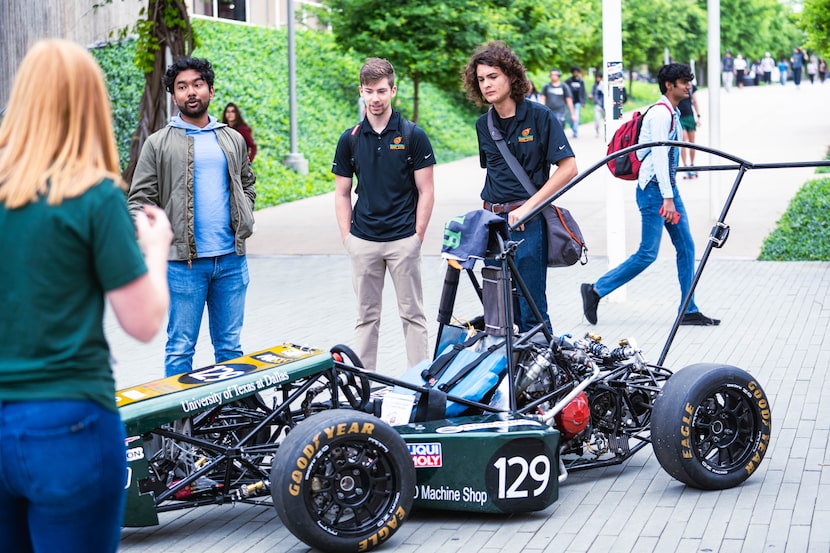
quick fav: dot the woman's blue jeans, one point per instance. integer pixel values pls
(649, 200)
(63, 468)
(221, 283)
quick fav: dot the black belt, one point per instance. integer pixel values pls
(499, 209)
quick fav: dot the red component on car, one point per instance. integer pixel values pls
(574, 417)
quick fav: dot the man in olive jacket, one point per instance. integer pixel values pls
(197, 170)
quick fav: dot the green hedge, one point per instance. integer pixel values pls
(803, 232)
(251, 65)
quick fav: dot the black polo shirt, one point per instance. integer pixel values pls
(537, 140)
(386, 194)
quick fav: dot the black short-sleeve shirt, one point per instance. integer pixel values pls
(386, 194)
(537, 140)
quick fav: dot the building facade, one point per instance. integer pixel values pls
(23, 22)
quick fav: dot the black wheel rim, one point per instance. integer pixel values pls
(352, 485)
(725, 429)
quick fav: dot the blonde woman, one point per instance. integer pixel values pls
(67, 242)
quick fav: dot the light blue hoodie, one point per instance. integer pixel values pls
(211, 190)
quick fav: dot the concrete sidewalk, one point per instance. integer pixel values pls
(776, 318)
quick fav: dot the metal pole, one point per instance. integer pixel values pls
(713, 59)
(294, 160)
(614, 83)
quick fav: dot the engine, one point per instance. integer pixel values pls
(594, 395)
(539, 375)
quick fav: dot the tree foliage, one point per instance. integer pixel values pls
(431, 40)
(753, 27)
(815, 22)
(425, 40)
(163, 27)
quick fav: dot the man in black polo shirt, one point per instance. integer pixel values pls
(495, 76)
(393, 161)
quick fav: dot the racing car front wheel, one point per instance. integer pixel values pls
(343, 481)
(711, 426)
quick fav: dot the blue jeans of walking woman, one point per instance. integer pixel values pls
(649, 200)
(221, 283)
(63, 471)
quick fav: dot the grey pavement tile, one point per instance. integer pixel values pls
(739, 521)
(730, 546)
(787, 495)
(670, 537)
(806, 500)
(712, 535)
(697, 522)
(820, 529)
(798, 539)
(816, 546)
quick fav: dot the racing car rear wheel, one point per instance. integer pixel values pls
(711, 426)
(343, 481)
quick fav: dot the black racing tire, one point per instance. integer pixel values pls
(711, 426)
(343, 481)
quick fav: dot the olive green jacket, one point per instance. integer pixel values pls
(164, 177)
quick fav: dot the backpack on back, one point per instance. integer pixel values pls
(627, 166)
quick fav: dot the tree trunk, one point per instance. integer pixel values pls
(178, 40)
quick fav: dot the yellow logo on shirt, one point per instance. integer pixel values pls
(525, 136)
(396, 144)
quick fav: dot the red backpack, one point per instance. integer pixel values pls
(627, 166)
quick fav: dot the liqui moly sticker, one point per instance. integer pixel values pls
(426, 455)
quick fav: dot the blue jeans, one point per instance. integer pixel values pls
(649, 200)
(531, 261)
(221, 283)
(63, 470)
(575, 120)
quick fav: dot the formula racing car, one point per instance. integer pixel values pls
(493, 423)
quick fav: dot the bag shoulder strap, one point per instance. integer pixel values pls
(511, 160)
(406, 133)
(665, 105)
(353, 145)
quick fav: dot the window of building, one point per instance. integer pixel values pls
(223, 9)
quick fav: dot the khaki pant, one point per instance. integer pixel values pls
(370, 260)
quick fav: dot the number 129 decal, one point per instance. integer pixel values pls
(521, 472)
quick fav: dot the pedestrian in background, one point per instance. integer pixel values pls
(812, 68)
(67, 244)
(659, 201)
(727, 70)
(558, 97)
(232, 117)
(689, 122)
(577, 86)
(495, 76)
(740, 70)
(797, 62)
(598, 97)
(198, 170)
(384, 229)
(767, 65)
(783, 68)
